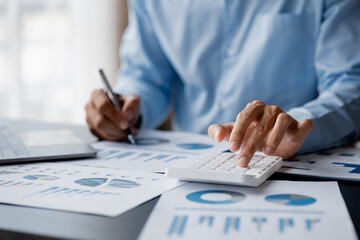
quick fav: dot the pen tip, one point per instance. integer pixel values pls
(131, 139)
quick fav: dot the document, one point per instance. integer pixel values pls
(81, 189)
(340, 163)
(154, 151)
(275, 210)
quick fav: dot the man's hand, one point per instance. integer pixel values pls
(107, 123)
(262, 127)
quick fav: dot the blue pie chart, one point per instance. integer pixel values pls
(290, 199)
(91, 182)
(123, 183)
(194, 146)
(200, 197)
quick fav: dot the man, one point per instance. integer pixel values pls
(287, 72)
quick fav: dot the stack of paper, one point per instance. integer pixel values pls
(107, 186)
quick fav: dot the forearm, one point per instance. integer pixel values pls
(335, 115)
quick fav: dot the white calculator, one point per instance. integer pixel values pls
(222, 168)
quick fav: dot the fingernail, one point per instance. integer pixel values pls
(234, 146)
(268, 151)
(122, 125)
(242, 162)
(216, 135)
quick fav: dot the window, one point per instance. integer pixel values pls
(49, 55)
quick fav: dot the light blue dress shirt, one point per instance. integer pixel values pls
(206, 59)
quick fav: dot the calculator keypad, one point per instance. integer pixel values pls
(227, 162)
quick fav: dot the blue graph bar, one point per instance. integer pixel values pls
(259, 221)
(84, 191)
(182, 226)
(68, 191)
(4, 172)
(310, 223)
(61, 190)
(178, 225)
(209, 219)
(95, 192)
(158, 157)
(140, 156)
(173, 225)
(283, 222)
(105, 154)
(145, 154)
(227, 225)
(106, 193)
(14, 184)
(174, 158)
(236, 223)
(49, 189)
(73, 191)
(347, 165)
(232, 222)
(121, 155)
(5, 183)
(202, 219)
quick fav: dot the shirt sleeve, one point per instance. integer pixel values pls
(145, 70)
(335, 113)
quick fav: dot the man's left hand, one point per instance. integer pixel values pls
(262, 127)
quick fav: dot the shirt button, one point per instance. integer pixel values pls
(223, 104)
(230, 52)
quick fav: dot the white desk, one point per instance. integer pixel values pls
(17, 222)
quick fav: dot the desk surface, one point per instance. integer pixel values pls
(17, 222)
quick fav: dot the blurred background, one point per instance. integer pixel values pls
(50, 52)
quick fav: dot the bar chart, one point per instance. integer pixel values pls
(154, 151)
(340, 163)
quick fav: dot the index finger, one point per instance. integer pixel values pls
(105, 107)
(243, 121)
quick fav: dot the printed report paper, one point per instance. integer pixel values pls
(275, 210)
(154, 151)
(81, 189)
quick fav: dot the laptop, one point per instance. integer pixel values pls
(24, 143)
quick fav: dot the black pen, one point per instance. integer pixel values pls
(115, 103)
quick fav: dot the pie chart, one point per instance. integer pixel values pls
(41, 177)
(222, 197)
(123, 183)
(91, 182)
(194, 146)
(290, 199)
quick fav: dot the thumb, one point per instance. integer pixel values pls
(304, 128)
(131, 108)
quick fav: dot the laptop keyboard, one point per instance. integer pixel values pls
(11, 145)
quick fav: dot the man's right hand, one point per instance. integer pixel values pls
(107, 123)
